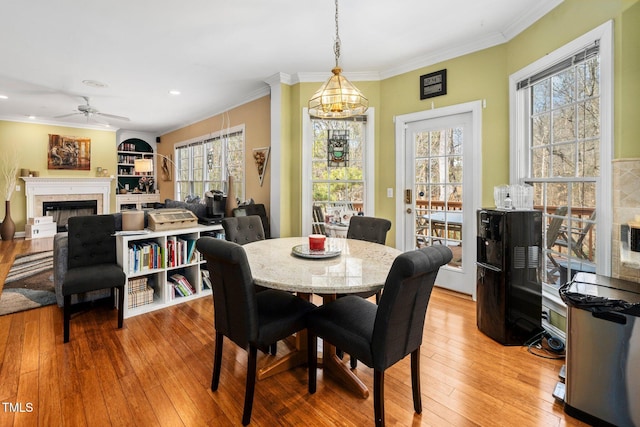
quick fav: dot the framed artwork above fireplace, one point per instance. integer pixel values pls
(69, 152)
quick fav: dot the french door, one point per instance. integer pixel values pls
(439, 166)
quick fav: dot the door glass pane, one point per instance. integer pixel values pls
(438, 189)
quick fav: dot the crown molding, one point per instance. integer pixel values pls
(38, 121)
(532, 15)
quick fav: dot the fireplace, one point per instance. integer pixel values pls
(63, 210)
(46, 190)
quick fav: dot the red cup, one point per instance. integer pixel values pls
(316, 242)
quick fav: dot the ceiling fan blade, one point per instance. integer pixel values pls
(111, 116)
(66, 115)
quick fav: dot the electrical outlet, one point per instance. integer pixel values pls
(389, 192)
(17, 188)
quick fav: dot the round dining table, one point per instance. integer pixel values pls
(345, 266)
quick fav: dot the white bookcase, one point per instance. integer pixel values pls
(158, 277)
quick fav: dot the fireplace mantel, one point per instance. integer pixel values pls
(38, 189)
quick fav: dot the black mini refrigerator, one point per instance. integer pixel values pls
(509, 287)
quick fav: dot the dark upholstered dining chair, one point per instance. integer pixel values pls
(370, 229)
(92, 263)
(381, 335)
(255, 209)
(252, 320)
(243, 229)
(373, 230)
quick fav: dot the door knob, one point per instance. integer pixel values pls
(409, 210)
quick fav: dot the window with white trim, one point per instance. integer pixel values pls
(205, 163)
(337, 167)
(561, 140)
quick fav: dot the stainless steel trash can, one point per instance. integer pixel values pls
(603, 350)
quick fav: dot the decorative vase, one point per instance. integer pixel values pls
(231, 198)
(8, 228)
(146, 189)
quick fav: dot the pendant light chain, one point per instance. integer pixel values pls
(337, 98)
(336, 46)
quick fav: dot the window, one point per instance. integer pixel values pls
(337, 182)
(337, 159)
(561, 145)
(205, 163)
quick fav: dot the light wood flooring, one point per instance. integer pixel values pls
(157, 371)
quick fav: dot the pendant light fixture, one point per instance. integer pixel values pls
(337, 98)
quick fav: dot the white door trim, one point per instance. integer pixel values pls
(472, 199)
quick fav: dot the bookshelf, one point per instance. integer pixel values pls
(163, 268)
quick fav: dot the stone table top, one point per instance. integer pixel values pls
(360, 267)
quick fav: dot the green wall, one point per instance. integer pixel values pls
(32, 142)
(484, 75)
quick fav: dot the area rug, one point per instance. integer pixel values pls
(29, 283)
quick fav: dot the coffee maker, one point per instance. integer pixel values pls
(216, 202)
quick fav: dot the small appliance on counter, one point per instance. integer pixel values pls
(216, 202)
(603, 350)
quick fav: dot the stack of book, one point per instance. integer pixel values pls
(139, 292)
(181, 286)
(145, 256)
(181, 251)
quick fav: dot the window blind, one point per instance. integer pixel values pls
(588, 53)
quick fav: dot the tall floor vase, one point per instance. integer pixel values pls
(8, 228)
(231, 198)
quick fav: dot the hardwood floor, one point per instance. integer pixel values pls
(157, 371)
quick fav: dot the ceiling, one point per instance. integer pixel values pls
(219, 54)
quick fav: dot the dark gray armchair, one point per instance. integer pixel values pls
(92, 263)
(251, 320)
(61, 264)
(381, 335)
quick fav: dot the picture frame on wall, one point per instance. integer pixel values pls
(433, 84)
(69, 152)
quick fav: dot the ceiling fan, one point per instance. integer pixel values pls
(92, 113)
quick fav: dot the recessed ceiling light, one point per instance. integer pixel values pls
(174, 92)
(95, 83)
(4, 97)
(32, 117)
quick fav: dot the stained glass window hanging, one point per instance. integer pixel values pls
(338, 147)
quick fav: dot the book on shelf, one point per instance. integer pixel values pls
(206, 279)
(191, 251)
(144, 256)
(182, 285)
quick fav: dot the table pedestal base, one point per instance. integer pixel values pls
(341, 372)
(328, 361)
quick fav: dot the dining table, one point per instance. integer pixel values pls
(345, 266)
